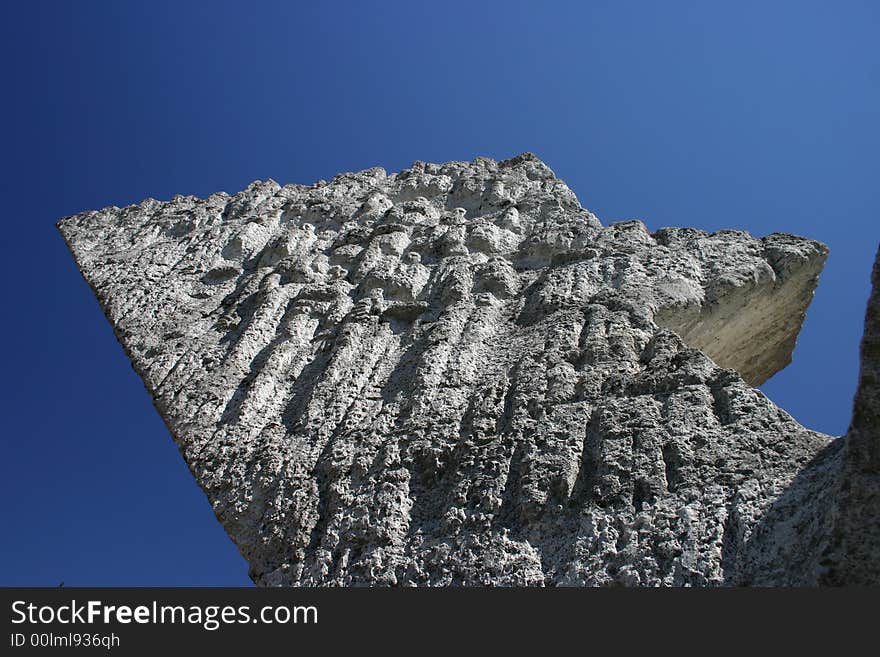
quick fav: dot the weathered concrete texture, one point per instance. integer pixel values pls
(457, 375)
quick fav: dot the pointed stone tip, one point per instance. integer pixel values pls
(64, 224)
(756, 295)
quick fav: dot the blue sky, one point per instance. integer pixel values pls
(752, 115)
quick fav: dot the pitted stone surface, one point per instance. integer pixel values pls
(456, 375)
(852, 552)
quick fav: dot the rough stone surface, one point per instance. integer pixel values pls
(852, 555)
(457, 375)
(825, 528)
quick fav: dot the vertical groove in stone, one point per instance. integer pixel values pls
(456, 375)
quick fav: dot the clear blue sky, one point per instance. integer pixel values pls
(760, 116)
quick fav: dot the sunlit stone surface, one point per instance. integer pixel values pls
(456, 375)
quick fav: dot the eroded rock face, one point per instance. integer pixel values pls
(852, 554)
(457, 375)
